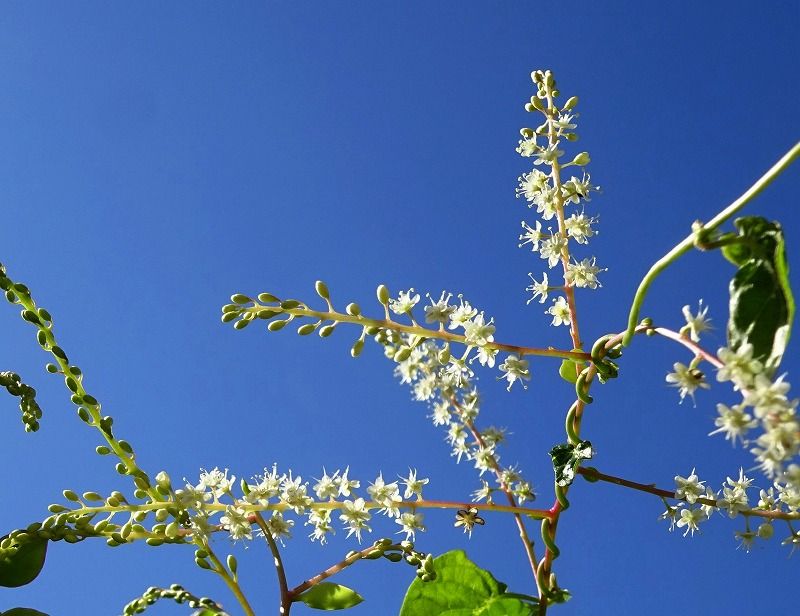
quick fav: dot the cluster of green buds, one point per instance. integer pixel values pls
(176, 593)
(396, 552)
(31, 413)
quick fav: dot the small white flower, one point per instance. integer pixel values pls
(739, 366)
(483, 493)
(689, 488)
(560, 312)
(532, 235)
(552, 248)
(355, 515)
(697, 323)
(346, 485)
(410, 522)
(686, 379)
(515, 369)
(327, 487)
(584, 273)
(462, 314)
(539, 289)
(279, 527)
(690, 518)
(579, 227)
(236, 522)
(439, 311)
(527, 147)
(413, 485)
(216, 481)
(477, 332)
(320, 519)
(548, 155)
(405, 302)
(733, 422)
(386, 496)
(530, 184)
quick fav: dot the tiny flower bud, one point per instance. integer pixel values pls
(322, 290)
(383, 294)
(765, 530)
(571, 102)
(353, 309)
(267, 297)
(163, 480)
(581, 159)
(240, 298)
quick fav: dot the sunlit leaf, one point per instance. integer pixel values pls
(24, 565)
(330, 596)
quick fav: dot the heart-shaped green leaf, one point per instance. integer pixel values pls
(330, 596)
(761, 301)
(461, 588)
(24, 565)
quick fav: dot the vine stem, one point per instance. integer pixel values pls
(592, 474)
(423, 332)
(232, 584)
(334, 569)
(286, 597)
(688, 242)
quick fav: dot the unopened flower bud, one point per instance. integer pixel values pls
(581, 159)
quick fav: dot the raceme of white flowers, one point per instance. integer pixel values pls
(285, 494)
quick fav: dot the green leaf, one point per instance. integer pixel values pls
(22, 611)
(761, 301)
(330, 596)
(568, 371)
(461, 588)
(24, 565)
(568, 456)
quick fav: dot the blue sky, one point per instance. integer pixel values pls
(157, 158)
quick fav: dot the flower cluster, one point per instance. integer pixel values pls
(445, 383)
(780, 499)
(550, 195)
(282, 493)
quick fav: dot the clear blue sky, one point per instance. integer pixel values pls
(157, 157)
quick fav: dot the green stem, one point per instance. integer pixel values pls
(286, 595)
(686, 245)
(423, 332)
(232, 584)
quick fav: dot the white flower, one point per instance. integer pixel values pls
(560, 312)
(539, 289)
(461, 314)
(478, 332)
(279, 527)
(216, 481)
(739, 366)
(483, 493)
(413, 485)
(573, 190)
(564, 122)
(551, 249)
(527, 147)
(689, 488)
(294, 494)
(439, 311)
(386, 496)
(346, 485)
(697, 323)
(579, 227)
(410, 522)
(355, 515)
(584, 274)
(769, 398)
(327, 487)
(690, 518)
(515, 369)
(733, 422)
(320, 519)
(548, 155)
(405, 302)
(686, 379)
(441, 415)
(532, 235)
(236, 522)
(530, 184)
(485, 356)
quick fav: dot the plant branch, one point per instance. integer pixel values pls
(687, 243)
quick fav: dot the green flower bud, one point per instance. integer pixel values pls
(265, 298)
(241, 324)
(163, 480)
(51, 368)
(765, 531)
(172, 530)
(403, 354)
(383, 294)
(306, 329)
(571, 102)
(71, 496)
(41, 338)
(240, 298)
(92, 496)
(56, 508)
(155, 542)
(227, 317)
(203, 564)
(84, 415)
(231, 560)
(358, 346)
(353, 309)
(394, 557)
(326, 331)
(322, 290)
(526, 132)
(581, 159)
(288, 304)
(275, 326)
